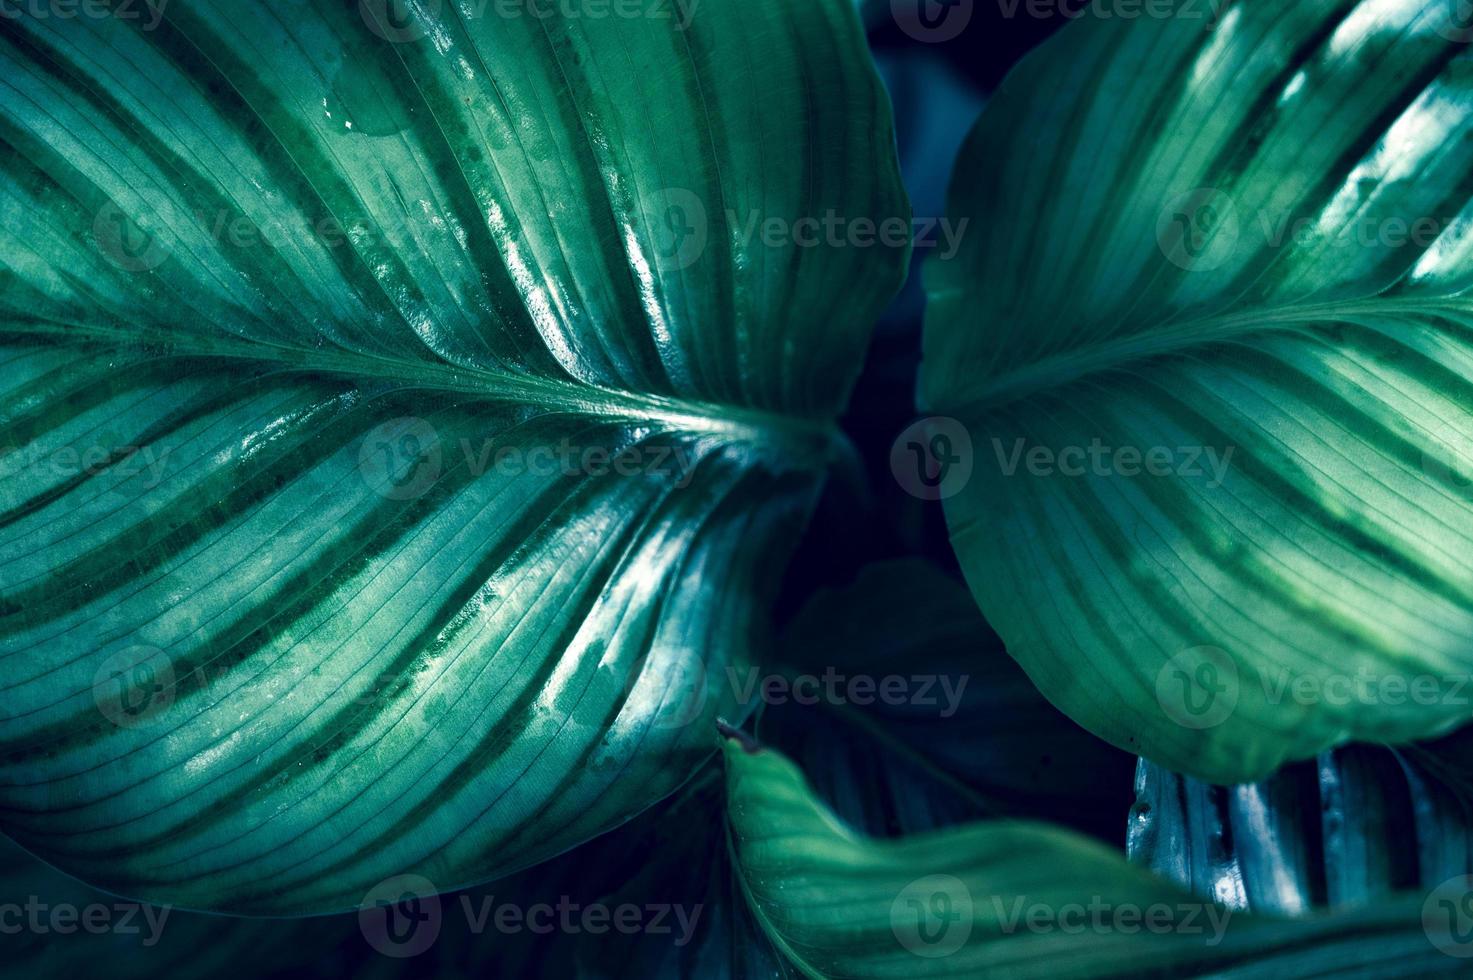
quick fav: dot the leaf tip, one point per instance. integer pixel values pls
(749, 744)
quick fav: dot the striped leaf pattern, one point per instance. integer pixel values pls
(1210, 339)
(402, 427)
(1016, 899)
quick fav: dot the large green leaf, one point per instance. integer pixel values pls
(1210, 338)
(409, 406)
(1014, 899)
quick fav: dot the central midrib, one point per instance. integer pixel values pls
(739, 423)
(1059, 370)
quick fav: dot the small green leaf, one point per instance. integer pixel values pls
(1208, 333)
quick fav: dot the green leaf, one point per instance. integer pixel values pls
(409, 412)
(1209, 337)
(1014, 899)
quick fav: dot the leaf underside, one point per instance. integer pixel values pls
(1348, 828)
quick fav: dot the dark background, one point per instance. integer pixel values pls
(938, 89)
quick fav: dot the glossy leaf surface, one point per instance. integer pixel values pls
(406, 420)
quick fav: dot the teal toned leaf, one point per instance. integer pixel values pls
(1013, 899)
(405, 420)
(1208, 335)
